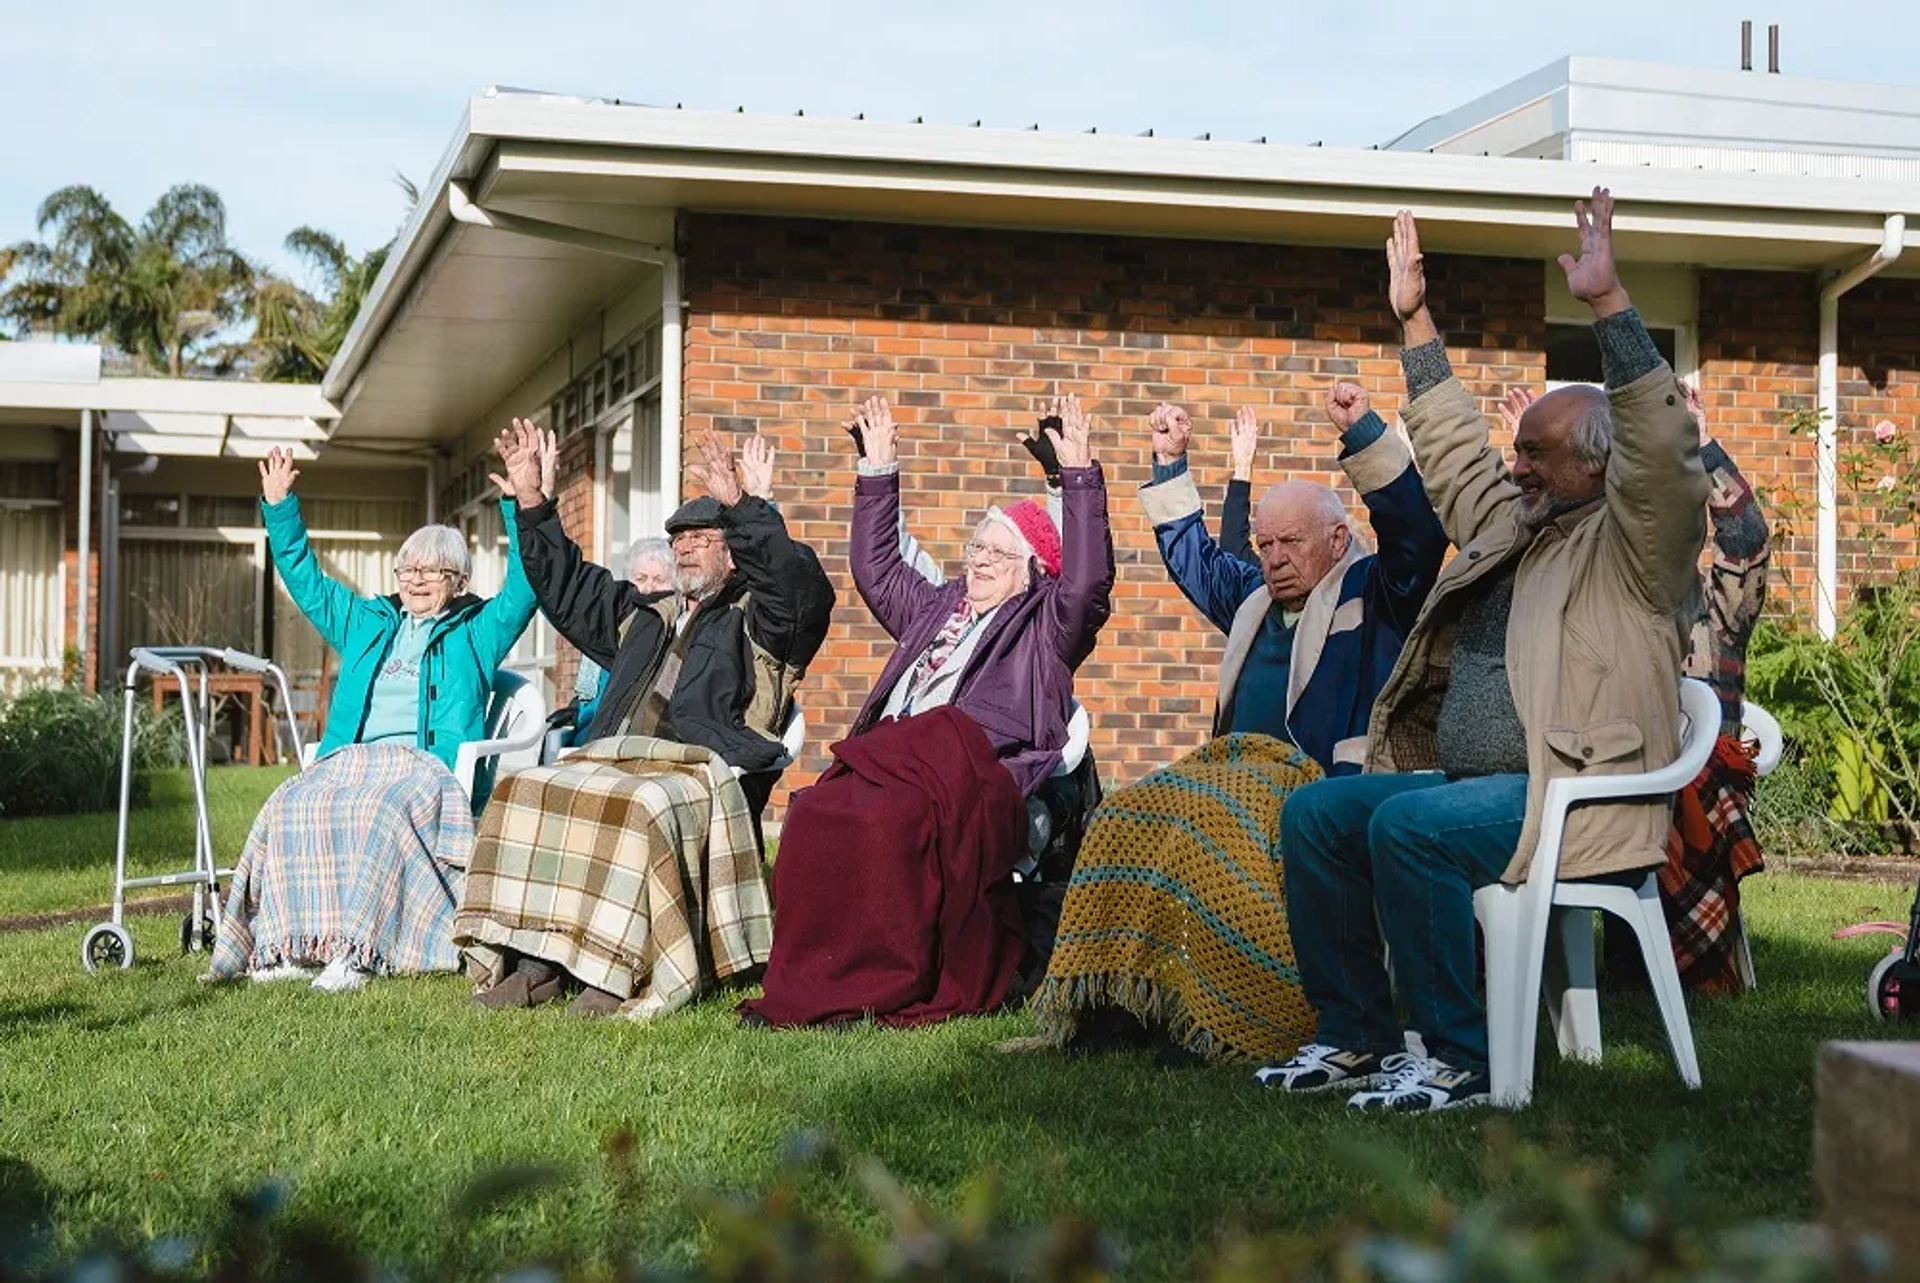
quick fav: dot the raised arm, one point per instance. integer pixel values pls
(1236, 512)
(1742, 541)
(585, 602)
(1408, 539)
(327, 603)
(791, 602)
(1214, 580)
(1656, 487)
(509, 611)
(892, 590)
(1466, 479)
(1084, 599)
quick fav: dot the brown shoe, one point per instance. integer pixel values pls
(530, 984)
(595, 1003)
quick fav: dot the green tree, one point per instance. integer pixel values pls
(295, 333)
(160, 294)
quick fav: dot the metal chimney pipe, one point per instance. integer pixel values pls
(1773, 49)
(1746, 44)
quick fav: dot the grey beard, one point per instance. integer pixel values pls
(699, 588)
(1534, 520)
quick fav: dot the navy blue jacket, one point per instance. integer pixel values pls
(1350, 632)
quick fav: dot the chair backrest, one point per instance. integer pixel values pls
(793, 736)
(514, 709)
(1079, 733)
(1761, 727)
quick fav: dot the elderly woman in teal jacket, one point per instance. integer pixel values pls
(354, 866)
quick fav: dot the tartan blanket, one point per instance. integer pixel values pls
(1710, 847)
(1176, 911)
(632, 865)
(360, 856)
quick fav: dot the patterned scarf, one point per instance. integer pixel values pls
(944, 643)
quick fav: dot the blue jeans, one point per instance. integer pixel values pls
(1417, 847)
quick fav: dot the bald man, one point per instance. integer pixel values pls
(1314, 622)
(1172, 933)
(1551, 650)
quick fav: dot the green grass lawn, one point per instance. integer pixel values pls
(137, 1101)
(66, 862)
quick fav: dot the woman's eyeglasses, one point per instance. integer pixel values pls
(986, 556)
(421, 575)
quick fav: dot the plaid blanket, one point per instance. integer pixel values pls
(1709, 849)
(357, 856)
(1177, 912)
(632, 864)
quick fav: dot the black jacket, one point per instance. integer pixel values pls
(749, 645)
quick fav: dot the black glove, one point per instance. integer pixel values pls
(1040, 446)
(859, 439)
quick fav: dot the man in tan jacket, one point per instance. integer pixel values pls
(1550, 646)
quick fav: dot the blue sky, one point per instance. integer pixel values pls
(301, 113)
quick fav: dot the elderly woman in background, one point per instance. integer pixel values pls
(355, 864)
(649, 565)
(893, 892)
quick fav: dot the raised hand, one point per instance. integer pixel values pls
(549, 462)
(519, 449)
(1171, 428)
(1245, 440)
(872, 425)
(1406, 269)
(1347, 404)
(756, 467)
(1514, 405)
(715, 471)
(1591, 278)
(277, 475)
(1073, 441)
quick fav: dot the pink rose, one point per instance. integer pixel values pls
(1884, 431)
(1885, 485)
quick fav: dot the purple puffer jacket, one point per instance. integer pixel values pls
(1019, 681)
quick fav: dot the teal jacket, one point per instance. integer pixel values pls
(456, 676)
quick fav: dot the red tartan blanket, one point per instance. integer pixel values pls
(1709, 849)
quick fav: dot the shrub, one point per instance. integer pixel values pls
(1543, 1216)
(60, 751)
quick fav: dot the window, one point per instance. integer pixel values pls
(1573, 354)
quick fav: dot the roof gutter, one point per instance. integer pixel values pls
(461, 205)
(1826, 574)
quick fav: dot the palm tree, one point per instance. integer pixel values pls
(296, 334)
(159, 293)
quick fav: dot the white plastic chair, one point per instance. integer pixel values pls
(1546, 926)
(516, 725)
(1079, 734)
(1758, 725)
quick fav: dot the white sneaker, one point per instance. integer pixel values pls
(285, 971)
(341, 976)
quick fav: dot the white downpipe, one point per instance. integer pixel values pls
(86, 541)
(672, 346)
(1826, 572)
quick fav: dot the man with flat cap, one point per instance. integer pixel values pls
(631, 870)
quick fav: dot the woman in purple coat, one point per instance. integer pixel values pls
(893, 895)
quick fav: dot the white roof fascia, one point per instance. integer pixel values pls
(174, 396)
(1475, 188)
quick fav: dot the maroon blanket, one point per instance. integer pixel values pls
(892, 895)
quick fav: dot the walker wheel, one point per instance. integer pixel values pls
(192, 942)
(107, 945)
(1886, 993)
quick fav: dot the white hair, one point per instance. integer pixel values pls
(645, 550)
(437, 548)
(1592, 434)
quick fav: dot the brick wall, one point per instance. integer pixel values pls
(1759, 363)
(792, 322)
